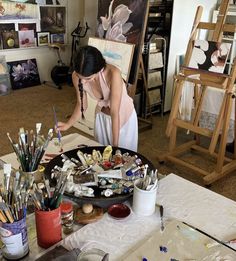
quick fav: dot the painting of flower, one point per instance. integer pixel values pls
(123, 21)
(210, 56)
(24, 73)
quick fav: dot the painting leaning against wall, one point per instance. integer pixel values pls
(23, 73)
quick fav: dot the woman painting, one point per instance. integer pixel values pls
(115, 119)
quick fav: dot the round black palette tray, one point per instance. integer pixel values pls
(98, 200)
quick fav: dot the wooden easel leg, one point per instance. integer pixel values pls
(178, 86)
(218, 126)
(172, 142)
(220, 159)
(234, 128)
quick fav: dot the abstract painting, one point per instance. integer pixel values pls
(209, 56)
(116, 53)
(123, 20)
(23, 73)
(53, 19)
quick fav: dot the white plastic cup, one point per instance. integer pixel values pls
(144, 201)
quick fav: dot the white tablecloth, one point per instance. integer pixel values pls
(182, 200)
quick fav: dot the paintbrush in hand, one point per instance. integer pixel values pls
(58, 131)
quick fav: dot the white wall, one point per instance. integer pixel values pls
(90, 16)
(182, 20)
(47, 58)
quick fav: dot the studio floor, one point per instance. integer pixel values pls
(26, 107)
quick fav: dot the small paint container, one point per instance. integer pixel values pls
(67, 217)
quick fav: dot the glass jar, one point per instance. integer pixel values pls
(67, 217)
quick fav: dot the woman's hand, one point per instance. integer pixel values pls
(62, 126)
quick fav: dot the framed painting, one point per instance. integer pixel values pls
(58, 38)
(43, 38)
(23, 73)
(10, 40)
(7, 27)
(124, 21)
(117, 53)
(53, 19)
(28, 26)
(26, 38)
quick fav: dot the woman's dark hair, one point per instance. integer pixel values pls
(87, 62)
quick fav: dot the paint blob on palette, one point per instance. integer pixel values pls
(180, 241)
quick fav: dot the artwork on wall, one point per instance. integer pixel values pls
(123, 20)
(51, 2)
(23, 1)
(210, 56)
(53, 19)
(10, 40)
(13, 11)
(24, 73)
(7, 27)
(116, 53)
(43, 38)
(58, 38)
(27, 26)
(26, 38)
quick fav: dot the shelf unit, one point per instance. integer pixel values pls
(155, 51)
(155, 64)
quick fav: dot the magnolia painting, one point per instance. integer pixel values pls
(24, 73)
(210, 56)
(123, 21)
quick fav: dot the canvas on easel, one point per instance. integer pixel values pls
(210, 56)
(124, 21)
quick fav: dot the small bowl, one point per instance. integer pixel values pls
(119, 211)
(92, 254)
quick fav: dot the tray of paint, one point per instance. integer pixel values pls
(99, 199)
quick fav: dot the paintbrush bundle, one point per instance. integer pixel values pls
(14, 194)
(30, 148)
(42, 195)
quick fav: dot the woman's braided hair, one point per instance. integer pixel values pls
(88, 61)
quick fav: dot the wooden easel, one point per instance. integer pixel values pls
(223, 165)
(132, 88)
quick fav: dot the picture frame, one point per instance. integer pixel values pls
(43, 38)
(58, 38)
(119, 54)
